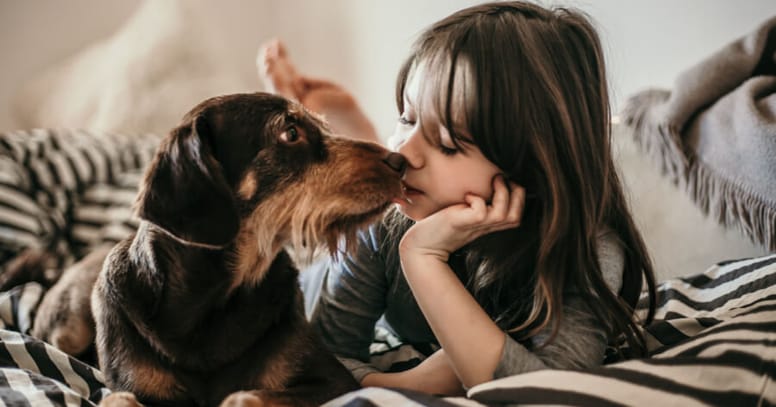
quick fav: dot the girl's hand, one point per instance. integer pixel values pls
(434, 376)
(453, 227)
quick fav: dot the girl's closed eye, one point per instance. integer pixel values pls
(448, 150)
(445, 143)
(406, 120)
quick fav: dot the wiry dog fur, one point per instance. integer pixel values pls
(203, 302)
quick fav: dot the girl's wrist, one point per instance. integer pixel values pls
(422, 259)
(410, 251)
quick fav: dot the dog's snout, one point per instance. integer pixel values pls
(396, 161)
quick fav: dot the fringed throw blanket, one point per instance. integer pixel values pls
(715, 132)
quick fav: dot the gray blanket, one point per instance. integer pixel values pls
(714, 134)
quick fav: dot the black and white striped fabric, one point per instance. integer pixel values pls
(34, 373)
(713, 343)
(68, 190)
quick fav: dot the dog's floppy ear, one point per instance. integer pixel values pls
(185, 191)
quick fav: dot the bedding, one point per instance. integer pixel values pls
(713, 342)
(714, 133)
(67, 190)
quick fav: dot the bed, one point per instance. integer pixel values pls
(713, 343)
(713, 340)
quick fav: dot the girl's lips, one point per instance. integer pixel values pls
(409, 190)
(407, 193)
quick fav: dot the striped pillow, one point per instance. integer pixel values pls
(67, 190)
(714, 342)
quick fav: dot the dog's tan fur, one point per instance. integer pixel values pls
(248, 186)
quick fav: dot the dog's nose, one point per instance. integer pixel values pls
(396, 161)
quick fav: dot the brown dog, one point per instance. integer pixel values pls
(203, 301)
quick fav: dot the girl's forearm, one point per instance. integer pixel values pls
(379, 379)
(471, 340)
(434, 376)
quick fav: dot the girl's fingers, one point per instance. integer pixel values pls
(505, 210)
(500, 200)
(516, 205)
(478, 207)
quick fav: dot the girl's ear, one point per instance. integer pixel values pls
(185, 192)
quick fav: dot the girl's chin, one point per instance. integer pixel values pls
(410, 211)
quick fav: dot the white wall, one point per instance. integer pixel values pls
(360, 43)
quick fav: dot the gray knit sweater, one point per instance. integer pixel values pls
(360, 288)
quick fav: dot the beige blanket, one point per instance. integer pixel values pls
(715, 132)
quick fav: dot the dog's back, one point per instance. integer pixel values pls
(202, 301)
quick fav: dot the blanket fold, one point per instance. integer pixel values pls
(714, 133)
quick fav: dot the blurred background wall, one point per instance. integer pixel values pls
(138, 65)
(360, 43)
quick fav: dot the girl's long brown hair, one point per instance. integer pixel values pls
(538, 108)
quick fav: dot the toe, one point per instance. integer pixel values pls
(276, 70)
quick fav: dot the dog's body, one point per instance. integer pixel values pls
(203, 302)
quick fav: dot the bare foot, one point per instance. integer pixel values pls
(277, 72)
(326, 98)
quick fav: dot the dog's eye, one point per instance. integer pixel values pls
(290, 136)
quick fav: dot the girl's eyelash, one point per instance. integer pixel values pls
(447, 150)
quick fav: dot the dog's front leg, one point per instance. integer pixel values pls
(64, 318)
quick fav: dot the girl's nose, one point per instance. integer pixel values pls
(408, 146)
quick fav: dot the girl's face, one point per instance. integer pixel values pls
(438, 173)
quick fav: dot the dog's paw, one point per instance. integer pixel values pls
(120, 399)
(243, 399)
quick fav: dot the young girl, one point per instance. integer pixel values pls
(514, 249)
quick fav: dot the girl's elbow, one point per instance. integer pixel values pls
(476, 378)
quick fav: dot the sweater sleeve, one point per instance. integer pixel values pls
(581, 340)
(352, 299)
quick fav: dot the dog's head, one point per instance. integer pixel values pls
(261, 162)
